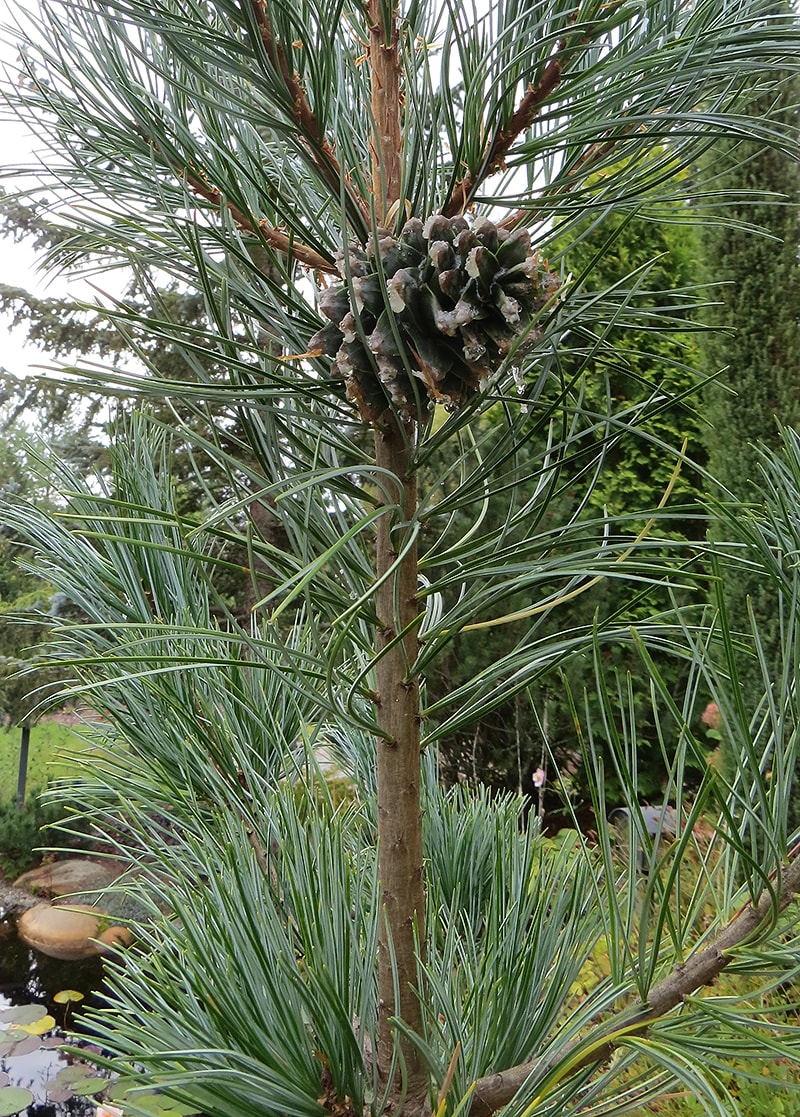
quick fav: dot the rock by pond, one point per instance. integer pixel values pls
(70, 931)
(31, 1062)
(64, 878)
(70, 928)
(42, 972)
(40, 1008)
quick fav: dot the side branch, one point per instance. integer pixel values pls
(701, 969)
(593, 154)
(522, 119)
(304, 117)
(276, 239)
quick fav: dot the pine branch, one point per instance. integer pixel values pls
(276, 239)
(593, 154)
(494, 159)
(307, 124)
(701, 969)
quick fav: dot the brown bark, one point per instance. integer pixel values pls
(703, 968)
(398, 768)
(397, 701)
(386, 108)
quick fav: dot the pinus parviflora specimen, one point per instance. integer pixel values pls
(237, 146)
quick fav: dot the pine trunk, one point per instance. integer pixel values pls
(398, 767)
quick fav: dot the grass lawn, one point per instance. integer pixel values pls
(55, 751)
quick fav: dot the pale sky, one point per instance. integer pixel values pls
(17, 262)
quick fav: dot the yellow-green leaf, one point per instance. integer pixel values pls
(36, 1027)
(67, 995)
(13, 1099)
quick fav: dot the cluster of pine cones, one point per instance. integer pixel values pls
(428, 316)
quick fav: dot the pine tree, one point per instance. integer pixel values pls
(364, 195)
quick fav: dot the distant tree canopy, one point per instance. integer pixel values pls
(24, 597)
(750, 253)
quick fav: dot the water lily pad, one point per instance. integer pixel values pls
(36, 1027)
(149, 1101)
(79, 1078)
(120, 1088)
(87, 1087)
(66, 995)
(13, 1099)
(22, 1014)
(25, 1045)
(59, 1094)
(164, 1107)
(71, 1074)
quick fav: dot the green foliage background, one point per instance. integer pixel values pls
(654, 262)
(750, 253)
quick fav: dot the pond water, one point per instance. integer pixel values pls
(28, 977)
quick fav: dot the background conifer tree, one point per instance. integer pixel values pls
(750, 251)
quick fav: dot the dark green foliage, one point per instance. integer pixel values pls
(648, 375)
(20, 835)
(653, 262)
(27, 832)
(659, 262)
(755, 351)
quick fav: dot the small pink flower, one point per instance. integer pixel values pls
(711, 716)
(107, 1111)
(539, 776)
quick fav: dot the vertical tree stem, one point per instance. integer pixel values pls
(398, 765)
(386, 106)
(398, 768)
